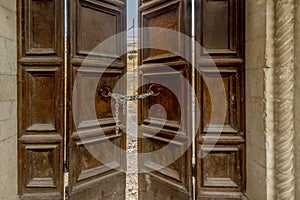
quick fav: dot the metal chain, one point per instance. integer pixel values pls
(140, 96)
(125, 98)
(124, 107)
(119, 98)
(117, 105)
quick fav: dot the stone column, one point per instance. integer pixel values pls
(284, 99)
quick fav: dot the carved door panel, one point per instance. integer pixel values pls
(165, 119)
(220, 171)
(96, 161)
(40, 98)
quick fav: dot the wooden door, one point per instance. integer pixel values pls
(43, 132)
(88, 133)
(220, 172)
(165, 129)
(40, 98)
(96, 160)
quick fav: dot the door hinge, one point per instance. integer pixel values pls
(66, 184)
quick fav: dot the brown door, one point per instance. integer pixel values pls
(40, 98)
(93, 149)
(96, 159)
(220, 141)
(165, 118)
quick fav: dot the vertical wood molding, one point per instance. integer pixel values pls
(284, 99)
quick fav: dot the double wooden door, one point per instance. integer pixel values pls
(67, 125)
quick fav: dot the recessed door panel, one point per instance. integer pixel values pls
(220, 27)
(97, 21)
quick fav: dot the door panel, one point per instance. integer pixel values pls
(163, 14)
(96, 161)
(40, 98)
(92, 18)
(221, 166)
(165, 127)
(42, 28)
(220, 171)
(230, 78)
(219, 27)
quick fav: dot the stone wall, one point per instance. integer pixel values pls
(8, 100)
(255, 66)
(268, 82)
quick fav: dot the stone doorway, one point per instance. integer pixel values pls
(260, 15)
